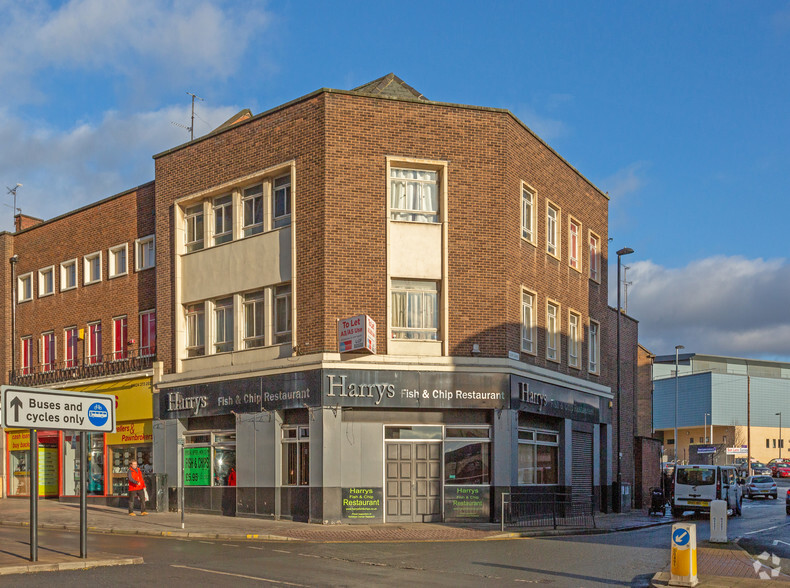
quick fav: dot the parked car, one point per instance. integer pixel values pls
(774, 463)
(760, 469)
(782, 470)
(696, 486)
(787, 503)
(760, 486)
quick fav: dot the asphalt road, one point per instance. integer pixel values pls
(617, 559)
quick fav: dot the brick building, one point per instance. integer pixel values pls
(473, 258)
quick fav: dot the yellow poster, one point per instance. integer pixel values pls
(47, 471)
(19, 441)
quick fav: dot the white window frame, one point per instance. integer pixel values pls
(221, 208)
(120, 349)
(63, 275)
(73, 361)
(553, 331)
(26, 367)
(553, 229)
(282, 220)
(528, 331)
(529, 437)
(223, 312)
(574, 250)
(249, 195)
(86, 264)
(574, 340)
(23, 296)
(279, 292)
(139, 257)
(255, 304)
(42, 281)
(594, 347)
(111, 258)
(419, 332)
(54, 347)
(192, 312)
(529, 206)
(93, 356)
(594, 256)
(197, 211)
(429, 215)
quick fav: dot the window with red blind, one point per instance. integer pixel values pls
(148, 333)
(119, 328)
(71, 337)
(94, 343)
(48, 351)
(27, 355)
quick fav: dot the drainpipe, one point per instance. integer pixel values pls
(13, 261)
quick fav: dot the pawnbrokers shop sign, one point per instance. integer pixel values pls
(410, 389)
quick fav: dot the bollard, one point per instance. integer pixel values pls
(718, 521)
(684, 555)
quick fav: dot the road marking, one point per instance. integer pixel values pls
(229, 545)
(260, 548)
(777, 542)
(237, 575)
(207, 542)
(761, 530)
(281, 551)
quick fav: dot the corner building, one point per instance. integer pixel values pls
(477, 251)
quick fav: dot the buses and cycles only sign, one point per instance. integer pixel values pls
(35, 408)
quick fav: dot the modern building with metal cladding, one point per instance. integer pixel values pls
(742, 401)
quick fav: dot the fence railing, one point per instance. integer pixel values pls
(133, 360)
(561, 509)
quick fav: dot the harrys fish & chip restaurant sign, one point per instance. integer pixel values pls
(35, 408)
(355, 333)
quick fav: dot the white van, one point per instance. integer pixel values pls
(697, 485)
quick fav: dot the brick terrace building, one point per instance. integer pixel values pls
(477, 251)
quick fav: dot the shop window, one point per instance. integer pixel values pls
(252, 204)
(467, 455)
(281, 201)
(148, 333)
(415, 310)
(120, 456)
(71, 337)
(282, 313)
(538, 457)
(210, 459)
(414, 195)
(194, 228)
(94, 343)
(413, 433)
(296, 456)
(18, 444)
(71, 463)
(48, 351)
(119, 337)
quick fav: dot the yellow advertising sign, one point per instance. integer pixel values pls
(135, 397)
(131, 433)
(47, 471)
(18, 441)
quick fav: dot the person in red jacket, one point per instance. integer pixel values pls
(136, 487)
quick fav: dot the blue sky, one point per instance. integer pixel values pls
(678, 109)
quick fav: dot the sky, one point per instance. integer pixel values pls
(679, 110)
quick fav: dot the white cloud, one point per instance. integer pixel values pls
(547, 128)
(63, 170)
(171, 41)
(625, 181)
(719, 305)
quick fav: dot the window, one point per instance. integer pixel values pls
(68, 275)
(145, 252)
(528, 214)
(281, 201)
(594, 348)
(223, 219)
(296, 456)
(467, 455)
(528, 325)
(196, 329)
(148, 333)
(46, 281)
(27, 355)
(538, 453)
(282, 313)
(254, 320)
(194, 227)
(252, 204)
(94, 343)
(595, 257)
(48, 351)
(25, 287)
(119, 337)
(552, 331)
(415, 312)
(223, 325)
(414, 195)
(574, 245)
(210, 459)
(70, 338)
(574, 341)
(118, 257)
(91, 270)
(552, 229)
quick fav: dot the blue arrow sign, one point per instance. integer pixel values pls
(681, 537)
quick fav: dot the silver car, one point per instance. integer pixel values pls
(759, 486)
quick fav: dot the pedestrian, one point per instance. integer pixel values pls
(136, 488)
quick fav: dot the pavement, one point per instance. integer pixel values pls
(717, 564)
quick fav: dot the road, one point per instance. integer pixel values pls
(616, 559)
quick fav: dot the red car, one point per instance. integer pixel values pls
(782, 470)
(775, 464)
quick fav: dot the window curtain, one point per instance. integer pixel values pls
(415, 191)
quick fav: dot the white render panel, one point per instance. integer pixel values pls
(238, 266)
(415, 250)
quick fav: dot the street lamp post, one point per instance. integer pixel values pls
(779, 414)
(677, 348)
(618, 495)
(705, 427)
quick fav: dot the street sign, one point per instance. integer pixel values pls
(35, 408)
(703, 449)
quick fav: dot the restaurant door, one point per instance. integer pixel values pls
(413, 481)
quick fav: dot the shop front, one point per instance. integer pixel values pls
(366, 446)
(109, 454)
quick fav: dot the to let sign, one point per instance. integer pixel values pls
(356, 333)
(34, 408)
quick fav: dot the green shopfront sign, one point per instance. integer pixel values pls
(197, 466)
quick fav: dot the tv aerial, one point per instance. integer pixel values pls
(191, 127)
(12, 191)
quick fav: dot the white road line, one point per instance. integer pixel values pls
(237, 575)
(229, 545)
(207, 542)
(279, 550)
(761, 530)
(261, 548)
